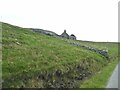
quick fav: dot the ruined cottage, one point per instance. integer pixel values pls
(72, 36)
(65, 35)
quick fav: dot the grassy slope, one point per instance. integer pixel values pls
(100, 79)
(28, 55)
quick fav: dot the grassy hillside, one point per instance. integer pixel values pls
(112, 47)
(35, 60)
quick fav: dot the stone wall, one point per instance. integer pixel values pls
(102, 52)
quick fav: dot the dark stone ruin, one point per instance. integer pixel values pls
(65, 35)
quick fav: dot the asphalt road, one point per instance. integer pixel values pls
(114, 81)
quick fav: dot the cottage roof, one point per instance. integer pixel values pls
(64, 33)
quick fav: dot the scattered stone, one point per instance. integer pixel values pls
(18, 43)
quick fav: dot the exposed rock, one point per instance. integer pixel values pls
(45, 32)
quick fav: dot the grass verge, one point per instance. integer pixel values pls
(100, 79)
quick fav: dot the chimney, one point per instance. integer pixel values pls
(64, 31)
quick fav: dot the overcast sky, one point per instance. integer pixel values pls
(91, 20)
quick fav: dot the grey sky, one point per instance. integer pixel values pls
(92, 20)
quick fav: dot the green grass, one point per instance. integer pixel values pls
(100, 79)
(32, 59)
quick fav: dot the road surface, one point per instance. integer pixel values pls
(114, 81)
